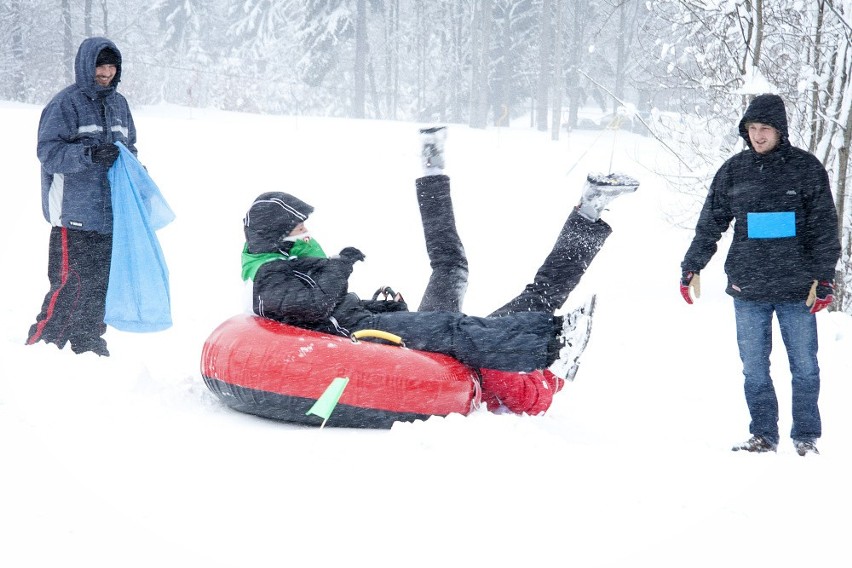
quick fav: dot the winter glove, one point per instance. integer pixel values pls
(820, 296)
(391, 301)
(690, 280)
(388, 294)
(384, 306)
(351, 254)
(105, 154)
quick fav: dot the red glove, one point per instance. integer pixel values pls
(821, 295)
(690, 280)
(521, 393)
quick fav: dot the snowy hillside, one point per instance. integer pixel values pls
(129, 461)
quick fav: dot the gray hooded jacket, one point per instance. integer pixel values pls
(75, 191)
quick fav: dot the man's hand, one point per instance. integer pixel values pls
(105, 154)
(821, 295)
(690, 284)
(351, 254)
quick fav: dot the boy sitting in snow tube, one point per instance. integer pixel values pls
(522, 350)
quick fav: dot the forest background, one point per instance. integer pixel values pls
(681, 71)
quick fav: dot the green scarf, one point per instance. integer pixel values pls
(309, 248)
(300, 249)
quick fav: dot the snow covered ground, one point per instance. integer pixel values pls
(130, 462)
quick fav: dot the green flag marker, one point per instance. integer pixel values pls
(325, 404)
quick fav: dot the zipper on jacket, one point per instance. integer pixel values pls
(107, 131)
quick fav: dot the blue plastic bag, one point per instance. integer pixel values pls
(138, 296)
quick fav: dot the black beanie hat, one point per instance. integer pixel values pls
(272, 216)
(107, 56)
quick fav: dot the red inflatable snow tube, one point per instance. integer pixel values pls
(277, 371)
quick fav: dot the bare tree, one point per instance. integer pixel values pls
(832, 120)
(545, 63)
(800, 51)
(12, 13)
(392, 71)
(558, 78)
(480, 64)
(628, 16)
(67, 42)
(360, 72)
(580, 22)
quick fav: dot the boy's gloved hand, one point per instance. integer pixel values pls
(821, 295)
(105, 154)
(690, 281)
(351, 254)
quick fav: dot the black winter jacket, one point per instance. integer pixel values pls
(313, 293)
(785, 222)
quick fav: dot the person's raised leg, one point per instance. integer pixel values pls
(581, 238)
(599, 191)
(578, 243)
(448, 280)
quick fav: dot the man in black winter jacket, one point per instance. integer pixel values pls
(782, 260)
(293, 281)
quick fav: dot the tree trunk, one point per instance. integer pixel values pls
(844, 277)
(754, 36)
(479, 64)
(360, 72)
(87, 18)
(816, 57)
(575, 59)
(621, 51)
(392, 59)
(105, 10)
(558, 79)
(17, 87)
(67, 42)
(544, 63)
(474, 61)
(457, 57)
(504, 74)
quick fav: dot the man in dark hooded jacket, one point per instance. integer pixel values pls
(782, 260)
(76, 147)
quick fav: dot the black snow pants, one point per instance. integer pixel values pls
(74, 307)
(578, 243)
(524, 338)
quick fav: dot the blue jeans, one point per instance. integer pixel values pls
(754, 337)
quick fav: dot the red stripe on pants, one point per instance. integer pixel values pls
(64, 280)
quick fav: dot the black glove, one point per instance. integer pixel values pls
(384, 306)
(105, 154)
(351, 254)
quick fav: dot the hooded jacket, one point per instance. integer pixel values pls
(785, 222)
(75, 191)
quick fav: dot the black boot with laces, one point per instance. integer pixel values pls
(804, 447)
(757, 444)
